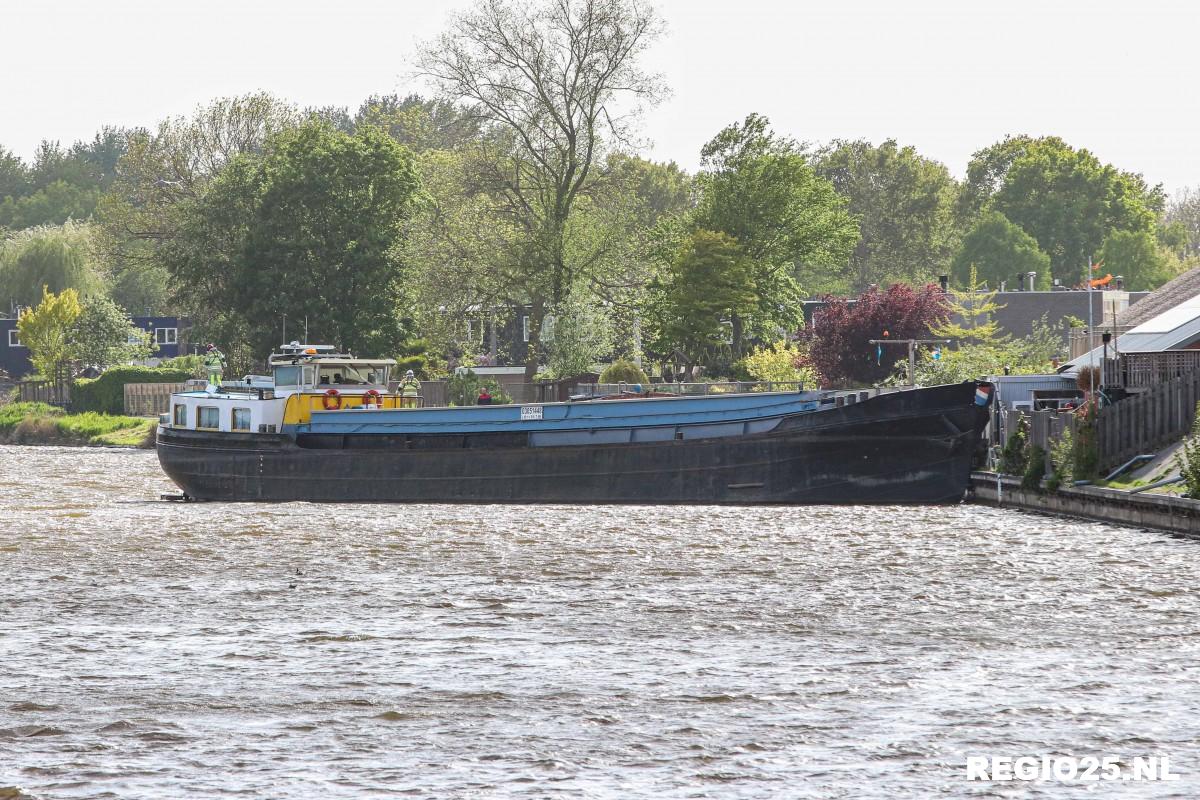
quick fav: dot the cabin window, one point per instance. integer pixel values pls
(208, 417)
(180, 415)
(525, 329)
(353, 375)
(166, 335)
(14, 339)
(287, 376)
(241, 419)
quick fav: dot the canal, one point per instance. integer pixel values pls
(152, 649)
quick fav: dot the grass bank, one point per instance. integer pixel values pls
(38, 423)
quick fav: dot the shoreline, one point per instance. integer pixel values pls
(1156, 511)
(38, 424)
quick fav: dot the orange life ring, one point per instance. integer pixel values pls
(372, 397)
(332, 400)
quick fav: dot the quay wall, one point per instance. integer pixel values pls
(1143, 510)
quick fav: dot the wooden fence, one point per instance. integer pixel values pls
(55, 393)
(1140, 423)
(150, 399)
(1148, 420)
(1137, 370)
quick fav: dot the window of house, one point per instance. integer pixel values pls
(525, 328)
(180, 415)
(548, 328)
(13, 338)
(208, 417)
(166, 335)
(241, 419)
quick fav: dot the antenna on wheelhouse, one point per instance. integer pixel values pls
(306, 328)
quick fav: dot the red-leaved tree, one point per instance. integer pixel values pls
(840, 334)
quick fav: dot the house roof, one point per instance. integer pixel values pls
(1174, 327)
(1175, 291)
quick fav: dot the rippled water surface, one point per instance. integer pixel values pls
(154, 650)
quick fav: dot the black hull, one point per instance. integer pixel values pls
(907, 447)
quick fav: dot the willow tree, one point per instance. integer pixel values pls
(556, 86)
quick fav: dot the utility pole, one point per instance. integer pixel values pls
(912, 352)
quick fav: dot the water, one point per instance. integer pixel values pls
(153, 649)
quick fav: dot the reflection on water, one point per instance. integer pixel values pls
(153, 649)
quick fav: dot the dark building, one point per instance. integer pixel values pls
(167, 333)
(1020, 310)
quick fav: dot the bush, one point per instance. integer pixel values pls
(1189, 459)
(1062, 460)
(622, 371)
(463, 389)
(193, 364)
(1012, 457)
(1032, 479)
(106, 394)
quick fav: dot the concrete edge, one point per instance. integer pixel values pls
(1159, 512)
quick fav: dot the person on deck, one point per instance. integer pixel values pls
(410, 390)
(485, 397)
(214, 365)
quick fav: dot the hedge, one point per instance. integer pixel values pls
(106, 394)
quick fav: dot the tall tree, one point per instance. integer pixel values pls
(310, 229)
(710, 281)
(46, 329)
(1138, 258)
(905, 209)
(758, 188)
(55, 257)
(998, 251)
(1184, 210)
(1066, 199)
(555, 85)
(103, 335)
(420, 123)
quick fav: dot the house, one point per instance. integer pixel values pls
(168, 334)
(1018, 311)
(1153, 343)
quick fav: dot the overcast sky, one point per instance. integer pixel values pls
(946, 76)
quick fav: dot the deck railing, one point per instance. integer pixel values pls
(1140, 370)
(716, 387)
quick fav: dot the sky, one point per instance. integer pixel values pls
(945, 76)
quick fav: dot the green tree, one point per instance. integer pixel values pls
(1183, 211)
(1069, 201)
(905, 209)
(55, 257)
(14, 175)
(309, 230)
(1138, 258)
(46, 329)
(582, 334)
(998, 251)
(758, 189)
(420, 123)
(970, 314)
(103, 335)
(554, 84)
(710, 281)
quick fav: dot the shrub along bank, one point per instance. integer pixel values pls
(39, 423)
(106, 394)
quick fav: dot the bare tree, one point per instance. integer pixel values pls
(555, 85)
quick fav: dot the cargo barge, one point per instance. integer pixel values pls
(324, 428)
